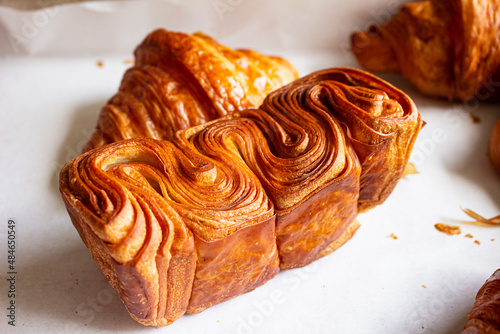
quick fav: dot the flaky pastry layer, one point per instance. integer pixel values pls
(484, 318)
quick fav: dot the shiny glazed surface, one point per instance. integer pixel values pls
(448, 48)
(178, 226)
(494, 145)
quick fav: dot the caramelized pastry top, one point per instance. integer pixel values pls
(216, 199)
(494, 145)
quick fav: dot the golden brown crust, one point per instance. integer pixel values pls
(218, 204)
(181, 80)
(484, 318)
(494, 145)
(144, 250)
(381, 122)
(142, 209)
(321, 224)
(446, 48)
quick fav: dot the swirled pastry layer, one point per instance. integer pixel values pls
(447, 48)
(180, 225)
(181, 80)
(315, 188)
(172, 231)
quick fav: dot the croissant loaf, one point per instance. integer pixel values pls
(181, 80)
(447, 48)
(484, 318)
(178, 226)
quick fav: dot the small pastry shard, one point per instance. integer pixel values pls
(484, 318)
(448, 229)
(446, 48)
(180, 80)
(172, 231)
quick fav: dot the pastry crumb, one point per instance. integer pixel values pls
(448, 229)
(128, 62)
(492, 239)
(100, 63)
(392, 236)
(477, 242)
(423, 286)
(468, 235)
(474, 118)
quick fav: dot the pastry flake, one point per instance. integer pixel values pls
(381, 122)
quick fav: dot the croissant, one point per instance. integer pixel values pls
(446, 48)
(181, 80)
(494, 145)
(178, 226)
(484, 318)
